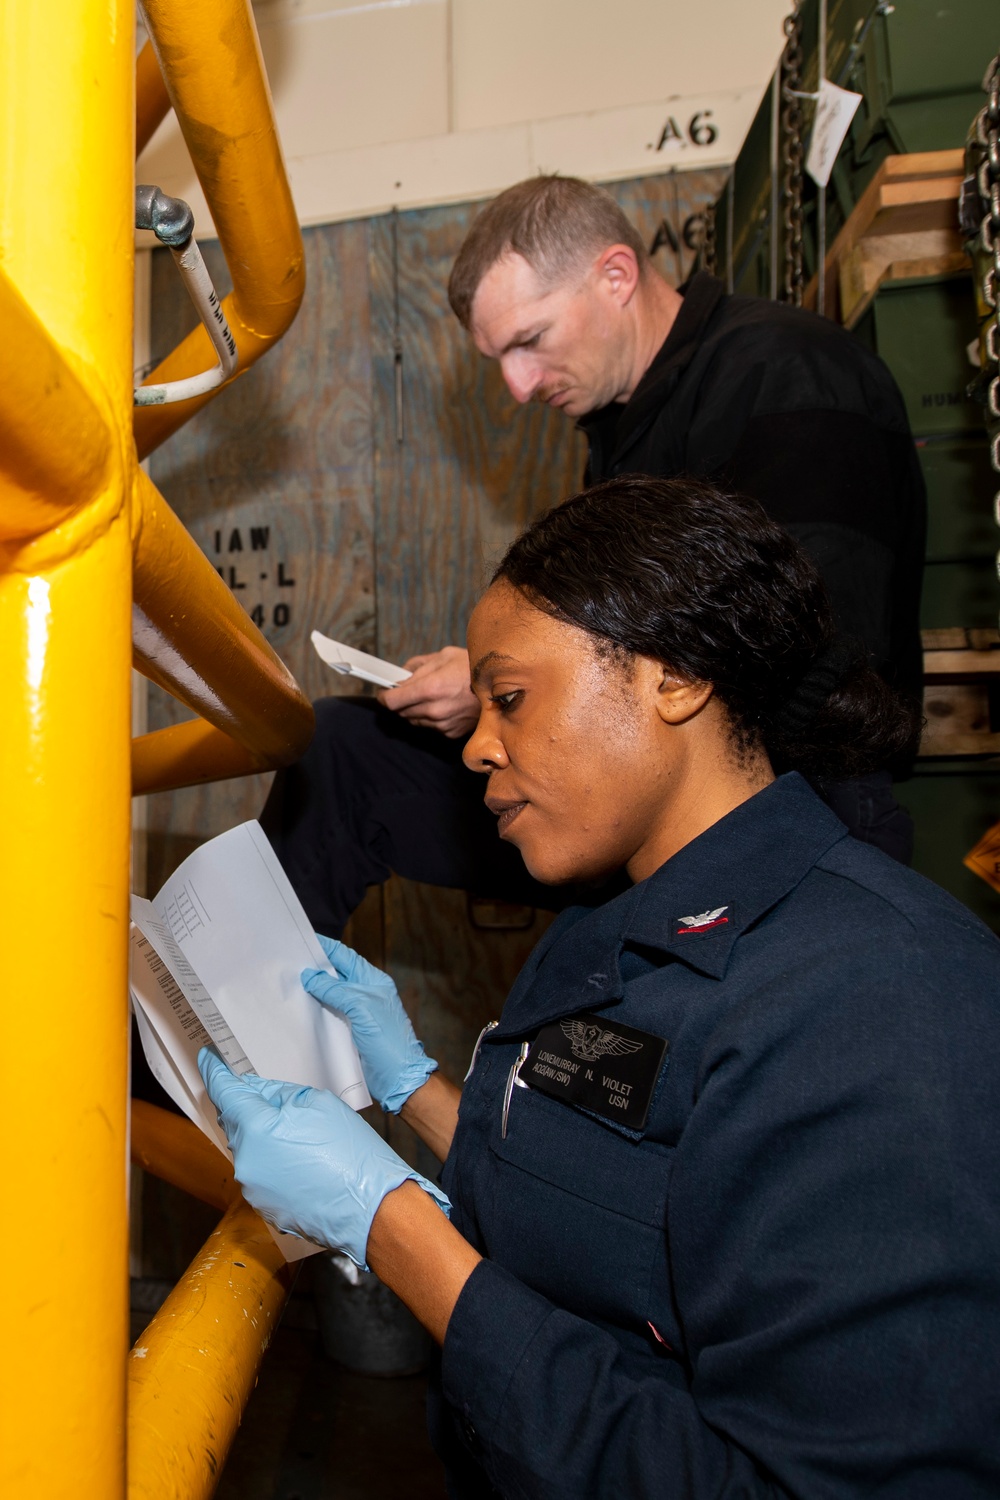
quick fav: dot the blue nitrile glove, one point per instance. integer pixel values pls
(304, 1159)
(394, 1062)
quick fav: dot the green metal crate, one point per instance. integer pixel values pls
(746, 199)
(960, 489)
(919, 68)
(952, 806)
(960, 593)
(921, 327)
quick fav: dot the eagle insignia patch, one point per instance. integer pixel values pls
(703, 921)
(591, 1042)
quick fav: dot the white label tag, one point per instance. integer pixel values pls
(835, 109)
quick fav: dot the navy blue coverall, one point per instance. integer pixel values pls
(788, 1283)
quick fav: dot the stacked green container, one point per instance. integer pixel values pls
(919, 65)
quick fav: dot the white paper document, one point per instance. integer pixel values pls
(835, 109)
(216, 957)
(170, 1029)
(353, 663)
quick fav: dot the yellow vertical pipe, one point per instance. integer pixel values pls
(66, 150)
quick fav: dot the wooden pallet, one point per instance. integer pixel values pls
(904, 224)
(960, 668)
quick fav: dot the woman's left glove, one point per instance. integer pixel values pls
(395, 1064)
(305, 1161)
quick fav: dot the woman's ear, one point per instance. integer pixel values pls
(677, 698)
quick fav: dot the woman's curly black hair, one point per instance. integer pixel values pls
(705, 582)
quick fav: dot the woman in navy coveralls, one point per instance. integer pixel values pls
(724, 1208)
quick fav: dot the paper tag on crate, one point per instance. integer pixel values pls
(835, 109)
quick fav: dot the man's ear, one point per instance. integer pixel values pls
(618, 268)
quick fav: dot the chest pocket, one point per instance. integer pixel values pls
(579, 1212)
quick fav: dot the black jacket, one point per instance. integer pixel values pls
(786, 1282)
(788, 408)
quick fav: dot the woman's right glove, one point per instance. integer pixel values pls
(304, 1159)
(394, 1063)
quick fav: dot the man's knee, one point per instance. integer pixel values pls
(345, 728)
(305, 794)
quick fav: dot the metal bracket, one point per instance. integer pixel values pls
(172, 221)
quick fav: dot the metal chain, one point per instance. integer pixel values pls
(708, 249)
(792, 153)
(981, 199)
(989, 236)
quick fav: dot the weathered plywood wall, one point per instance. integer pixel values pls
(296, 485)
(274, 481)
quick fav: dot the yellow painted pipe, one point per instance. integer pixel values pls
(211, 63)
(66, 244)
(152, 102)
(189, 754)
(169, 1147)
(55, 448)
(192, 636)
(191, 1372)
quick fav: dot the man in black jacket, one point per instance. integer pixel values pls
(555, 283)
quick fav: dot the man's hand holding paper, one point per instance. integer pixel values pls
(437, 694)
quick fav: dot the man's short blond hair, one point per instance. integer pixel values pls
(558, 225)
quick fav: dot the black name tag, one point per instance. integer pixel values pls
(610, 1069)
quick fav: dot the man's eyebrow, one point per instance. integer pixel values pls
(522, 336)
(487, 661)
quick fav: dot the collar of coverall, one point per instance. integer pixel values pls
(692, 909)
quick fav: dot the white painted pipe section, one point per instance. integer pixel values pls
(194, 273)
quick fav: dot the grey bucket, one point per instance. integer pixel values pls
(362, 1324)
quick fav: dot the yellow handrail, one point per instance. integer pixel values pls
(152, 102)
(192, 1371)
(196, 1364)
(191, 636)
(173, 1149)
(189, 754)
(212, 68)
(193, 1368)
(55, 449)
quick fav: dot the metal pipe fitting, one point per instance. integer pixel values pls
(172, 221)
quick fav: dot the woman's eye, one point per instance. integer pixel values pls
(506, 701)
